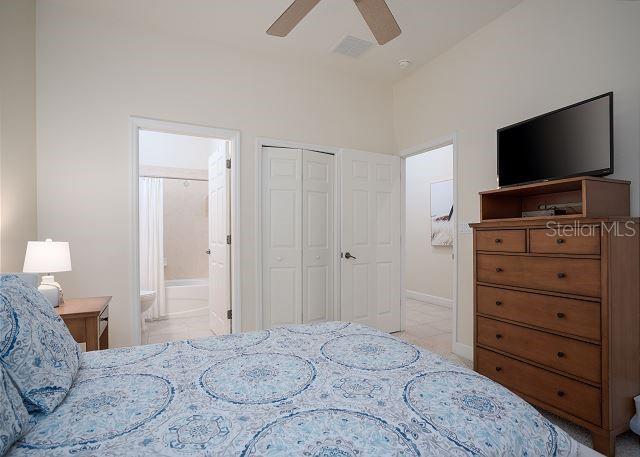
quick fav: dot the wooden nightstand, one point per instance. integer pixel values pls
(87, 320)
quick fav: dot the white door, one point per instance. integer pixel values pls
(318, 253)
(282, 236)
(219, 250)
(370, 239)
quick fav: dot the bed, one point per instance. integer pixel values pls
(331, 389)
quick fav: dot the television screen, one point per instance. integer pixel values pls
(572, 141)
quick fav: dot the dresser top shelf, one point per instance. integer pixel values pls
(582, 196)
(545, 187)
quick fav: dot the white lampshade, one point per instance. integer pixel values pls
(47, 257)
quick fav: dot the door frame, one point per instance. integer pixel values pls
(452, 139)
(278, 143)
(136, 124)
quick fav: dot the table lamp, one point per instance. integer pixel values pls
(48, 257)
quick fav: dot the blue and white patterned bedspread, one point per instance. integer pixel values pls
(333, 389)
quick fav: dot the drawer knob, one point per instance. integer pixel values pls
(560, 393)
(499, 270)
(498, 336)
(560, 315)
(498, 303)
(561, 275)
(498, 368)
(561, 354)
(560, 241)
(498, 240)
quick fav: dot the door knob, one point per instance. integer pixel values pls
(349, 256)
(208, 252)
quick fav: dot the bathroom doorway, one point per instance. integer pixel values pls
(185, 208)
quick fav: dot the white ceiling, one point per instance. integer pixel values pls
(429, 27)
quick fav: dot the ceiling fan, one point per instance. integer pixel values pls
(376, 14)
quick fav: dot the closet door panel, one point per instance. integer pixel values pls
(317, 236)
(370, 233)
(282, 236)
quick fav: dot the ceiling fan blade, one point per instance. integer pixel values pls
(378, 17)
(291, 17)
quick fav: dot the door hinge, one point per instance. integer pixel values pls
(229, 164)
(228, 239)
(229, 314)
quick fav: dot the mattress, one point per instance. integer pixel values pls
(331, 389)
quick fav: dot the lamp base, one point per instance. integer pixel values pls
(51, 290)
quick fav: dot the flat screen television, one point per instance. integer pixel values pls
(573, 141)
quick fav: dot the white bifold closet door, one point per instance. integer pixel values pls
(298, 245)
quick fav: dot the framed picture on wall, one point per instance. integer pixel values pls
(441, 212)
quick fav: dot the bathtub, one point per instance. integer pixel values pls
(186, 297)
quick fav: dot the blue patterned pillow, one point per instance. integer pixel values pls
(14, 418)
(36, 349)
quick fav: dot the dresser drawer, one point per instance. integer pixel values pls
(572, 276)
(571, 356)
(574, 397)
(575, 317)
(501, 240)
(550, 241)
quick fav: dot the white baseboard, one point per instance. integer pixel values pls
(463, 350)
(440, 301)
(189, 313)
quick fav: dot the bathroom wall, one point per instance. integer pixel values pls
(185, 229)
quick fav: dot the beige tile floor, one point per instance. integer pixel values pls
(177, 328)
(429, 326)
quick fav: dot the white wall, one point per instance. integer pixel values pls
(429, 269)
(93, 74)
(18, 223)
(541, 55)
(176, 151)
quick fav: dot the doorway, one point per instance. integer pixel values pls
(429, 254)
(185, 217)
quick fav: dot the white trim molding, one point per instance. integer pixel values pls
(426, 298)
(233, 136)
(463, 350)
(451, 139)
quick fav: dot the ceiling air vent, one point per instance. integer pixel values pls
(352, 47)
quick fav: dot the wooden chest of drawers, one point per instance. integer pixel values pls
(557, 316)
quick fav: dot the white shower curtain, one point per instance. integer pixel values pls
(152, 244)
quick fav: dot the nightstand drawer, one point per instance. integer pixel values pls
(574, 397)
(87, 320)
(571, 356)
(575, 317)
